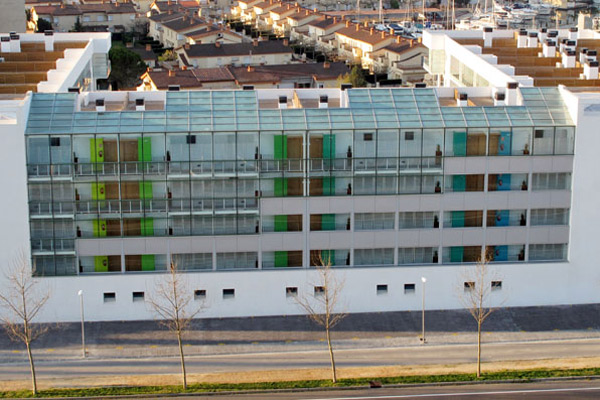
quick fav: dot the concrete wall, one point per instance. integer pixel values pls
(12, 17)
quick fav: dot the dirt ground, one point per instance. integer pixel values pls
(301, 374)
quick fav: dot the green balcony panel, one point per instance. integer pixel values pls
(281, 187)
(459, 144)
(328, 222)
(281, 259)
(458, 219)
(145, 149)
(147, 226)
(148, 262)
(101, 264)
(328, 146)
(281, 223)
(146, 190)
(97, 150)
(98, 191)
(100, 228)
(328, 185)
(280, 147)
(328, 257)
(456, 254)
(459, 183)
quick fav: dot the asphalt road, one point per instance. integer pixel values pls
(541, 390)
(422, 355)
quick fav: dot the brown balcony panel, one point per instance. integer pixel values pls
(17, 88)
(549, 72)
(60, 46)
(29, 57)
(22, 77)
(22, 66)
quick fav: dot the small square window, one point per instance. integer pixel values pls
(382, 289)
(291, 292)
(110, 297)
(409, 135)
(228, 293)
(469, 286)
(138, 296)
(191, 139)
(368, 137)
(54, 141)
(200, 294)
(496, 285)
(319, 290)
(409, 288)
(539, 133)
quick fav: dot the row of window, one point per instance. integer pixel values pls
(44, 230)
(292, 291)
(459, 142)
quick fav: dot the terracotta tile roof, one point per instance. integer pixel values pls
(325, 23)
(300, 15)
(237, 49)
(165, 17)
(363, 35)
(276, 73)
(210, 30)
(190, 78)
(79, 9)
(402, 47)
(182, 24)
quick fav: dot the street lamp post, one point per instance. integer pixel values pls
(80, 294)
(423, 341)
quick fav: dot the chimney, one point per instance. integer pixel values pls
(62, 5)
(522, 39)
(15, 43)
(323, 101)
(487, 36)
(372, 31)
(366, 24)
(590, 70)
(184, 17)
(186, 46)
(140, 105)
(357, 27)
(250, 68)
(315, 10)
(347, 23)
(499, 99)
(532, 39)
(573, 33)
(326, 65)
(217, 44)
(592, 55)
(172, 73)
(5, 44)
(583, 56)
(549, 48)
(148, 47)
(462, 100)
(298, 9)
(307, 12)
(335, 20)
(412, 42)
(100, 107)
(49, 40)
(169, 2)
(391, 32)
(286, 42)
(511, 93)
(543, 34)
(282, 102)
(255, 43)
(398, 39)
(382, 34)
(568, 59)
(170, 11)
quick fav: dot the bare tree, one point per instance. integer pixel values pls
(322, 307)
(474, 293)
(172, 301)
(21, 302)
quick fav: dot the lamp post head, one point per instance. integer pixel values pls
(80, 293)
(423, 279)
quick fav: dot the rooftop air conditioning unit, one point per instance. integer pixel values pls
(174, 88)
(323, 101)
(282, 102)
(140, 105)
(100, 107)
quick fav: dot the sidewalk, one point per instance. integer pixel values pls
(144, 339)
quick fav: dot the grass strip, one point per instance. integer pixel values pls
(524, 376)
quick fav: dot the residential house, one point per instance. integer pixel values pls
(174, 31)
(244, 10)
(156, 21)
(355, 42)
(261, 12)
(217, 54)
(277, 16)
(176, 6)
(187, 79)
(401, 60)
(147, 54)
(113, 17)
(212, 34)
(313, 75)
(297, 20)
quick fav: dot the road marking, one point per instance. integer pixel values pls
(406, 396)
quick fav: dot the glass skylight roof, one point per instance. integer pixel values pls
(220, 111)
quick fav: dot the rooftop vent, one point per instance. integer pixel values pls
(323, 101)
(49, 40)
(140, 105)
(174, 88)
(15, 43)
(5, 44)
(74, 90)
(499, 99)
(248, 87)
(282, 102)
(420, 85)
(100, 107)
(346, 86)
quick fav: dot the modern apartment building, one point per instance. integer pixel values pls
(245, 189)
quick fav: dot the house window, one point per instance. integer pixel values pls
(382, 289)
(409, 288)
(291, 291)
(200, 294)
(138, 296)
(110, 297)
(496, 285)
(54, 142)
(319, 290)
(86, 19)
(409, 135)
(110, 17)
(228, 293)
(468, 286)
(368, 137)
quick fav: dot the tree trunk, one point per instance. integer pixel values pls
(333, 374)
(32, 367)
(182, 359)
(478, 349)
